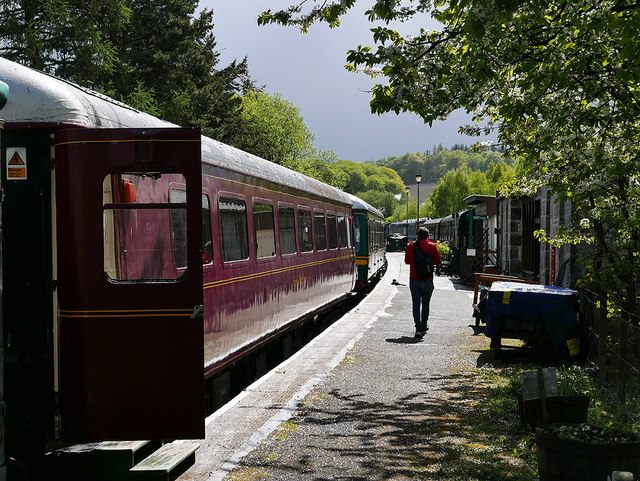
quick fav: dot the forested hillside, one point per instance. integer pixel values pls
(432, 165)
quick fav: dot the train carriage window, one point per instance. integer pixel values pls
(332, 231)
(233, 229)
(304, 228)
(144, 229)
(264, 230)
(207, 247)
(342, 231)
(356, 233)
(178, 229)
(321, 231)
(287, 228)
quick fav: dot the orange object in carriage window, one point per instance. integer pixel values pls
(129, 190)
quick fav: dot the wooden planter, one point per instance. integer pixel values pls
(570, 460)
(560, 409)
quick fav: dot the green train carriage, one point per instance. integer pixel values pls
(370, 242)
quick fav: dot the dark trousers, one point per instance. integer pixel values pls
(421, 292)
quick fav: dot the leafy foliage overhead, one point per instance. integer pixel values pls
(558, 79)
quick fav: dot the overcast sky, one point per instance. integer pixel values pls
(308, 71)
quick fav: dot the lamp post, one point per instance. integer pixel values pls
(418, 179)
(407, 189)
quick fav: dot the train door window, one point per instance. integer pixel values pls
(264, 230)
(233, 229)
(139, 220)
(342, 231)
(304, 228)
(287, 228)
(321, 231)
(179, 228)
(356, 233)
(207, 247)
(332, 231)
(372, 230)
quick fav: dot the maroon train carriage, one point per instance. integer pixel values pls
(118, 229)
(282, 250)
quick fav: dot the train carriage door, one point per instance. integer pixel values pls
(129, 283)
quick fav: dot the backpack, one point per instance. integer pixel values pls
(422, 261)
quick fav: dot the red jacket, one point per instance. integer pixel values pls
(425, 245)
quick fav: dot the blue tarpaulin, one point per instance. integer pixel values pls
(554, 307)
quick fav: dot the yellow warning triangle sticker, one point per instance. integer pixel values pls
(16, 159)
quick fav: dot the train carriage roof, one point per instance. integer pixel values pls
(360, 204)
(38, 98)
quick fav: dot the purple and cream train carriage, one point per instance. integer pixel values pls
(127, 241)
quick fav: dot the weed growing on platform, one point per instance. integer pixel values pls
(248, 474)
(487, 442)
(492, 445)
(286, 429)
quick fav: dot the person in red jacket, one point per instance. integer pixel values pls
(421, 287)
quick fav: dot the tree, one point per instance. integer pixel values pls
(156, 55)
(384, 201)
(169, 52)
(274, 129)
(558, 80)
(69, 38)
(321, 165)
(406, 166)
(368, 176)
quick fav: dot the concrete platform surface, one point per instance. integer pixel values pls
(368, 362)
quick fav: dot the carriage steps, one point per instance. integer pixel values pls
(123, 461)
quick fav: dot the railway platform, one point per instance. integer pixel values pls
(370, 379)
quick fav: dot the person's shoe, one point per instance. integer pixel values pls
(418, 335)
(423, 333)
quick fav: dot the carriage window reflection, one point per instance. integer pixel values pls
(140, 224)
(287, 228)
(233, 229)
(332, 232)
(207, 243)
(304, 228)
(342, 231)
(321, 231)
(264, 231)
(179, 228)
